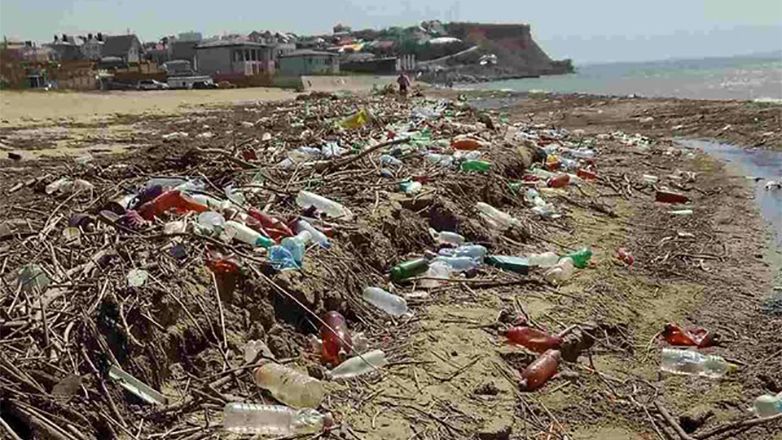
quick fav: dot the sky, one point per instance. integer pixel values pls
(587, 31)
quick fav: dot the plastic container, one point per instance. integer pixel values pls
(446, 237)
(685, 362)
(533, 339)
(359, 365)
(495, 218)
(245, 234)
(540, 370)
(560, 272)
(544, 260)
(317, 236)
(768, 405)
(170, 200)
(480, 166)
(289, 386)
(305, 199)
(409, 269)
(335, 338)
(474, 251)
(273, 420)
(392, 304)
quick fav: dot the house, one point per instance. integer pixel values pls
(65, 48)
(92, 49)
(126, 47)
(184, 50)
(234, 58)
(308, 62)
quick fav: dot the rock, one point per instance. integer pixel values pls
(496, 430)
(694, 419)
(487, 389)
(574, 344)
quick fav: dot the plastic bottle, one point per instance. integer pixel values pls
(474, 251)
(457, 264)
(559, 181)
(446, 237)
(532, 339)
(442, 160)
(409, 269)
(586, 174)
(273, 420)
(540, 370)
(670, 197)
(581, 257)
(211, 202)
(211, 221)
(410, 187)
(544, 260)
(392, 304)
(305, 199)
(296, 245)
(281, 258)
(468, 144)
(274, 227)
(687, 362)
(336, 338)
(289, 386)
(170, 200)
(768, 405)
(512, 264)
(560, 272)
(533, 197)
(495, 218)
(691, 336)
(359, 365)
(243, 233)
(480, 166)
(317, 236)
(388, 160)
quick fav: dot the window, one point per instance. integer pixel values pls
(247, 54)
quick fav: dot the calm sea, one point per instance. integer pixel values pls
(746, 78)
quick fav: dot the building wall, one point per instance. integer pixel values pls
(92, 49)
(134, 53)
(212, 60)
(308, 65)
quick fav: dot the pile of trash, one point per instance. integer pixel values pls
(187, 278)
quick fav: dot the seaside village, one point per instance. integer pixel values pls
(97, 61)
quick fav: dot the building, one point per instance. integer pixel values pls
(308, 62)
(65, 48)
(126, 47)
(184, 50)
(92, 49)
(190, 36)
(234, 58)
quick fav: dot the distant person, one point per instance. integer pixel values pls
(404, 83)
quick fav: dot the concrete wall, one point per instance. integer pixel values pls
(308, 65)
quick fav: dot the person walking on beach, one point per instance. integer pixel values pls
(404, 83)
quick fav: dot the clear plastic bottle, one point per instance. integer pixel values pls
(289, 386)
(245, 234)
(211, 202)
(317, 236)
(495, 218)
(305, 199)
(273, 420)
(297, 244)
(474, 251)
(388, 160)
(392, 304)
(411, 187)
(359, 365)
(687, 362)
(443, 160)
(446, 237)
(768, 405)
(458, 264)
(544, 260)
(560, 272)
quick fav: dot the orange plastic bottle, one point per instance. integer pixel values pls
(532, 339)
(559, 181)
(170, 200)
(540, 370)
(336, 343)
(692, 336)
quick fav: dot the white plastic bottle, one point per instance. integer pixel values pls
(246, 234)
(392, 304)
(495, 218)
(273, 420)
(687, 362)
(544, 260)
(447, 237)
(305, 199)
(359, 365)
(560, 272)
(289, 386)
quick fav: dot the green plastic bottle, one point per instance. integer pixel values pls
(409, 269)
(581, 257)
(512, 264)
(480, 166)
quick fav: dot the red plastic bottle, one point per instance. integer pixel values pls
(336, 343)
(586, 174)
(625, 256)
(170, 200)
(671, 197)
(691, 336)
(532, 339)
(559, 181)
(274, 228)
(540, 371)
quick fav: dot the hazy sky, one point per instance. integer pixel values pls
(585, 30)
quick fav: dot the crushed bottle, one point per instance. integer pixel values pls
(690, 336)
(273, 420)
(175, 200)
(392, 304)
(289, 386)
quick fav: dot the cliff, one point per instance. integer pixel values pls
(517, 54)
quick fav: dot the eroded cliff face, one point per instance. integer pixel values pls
(518, 55)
